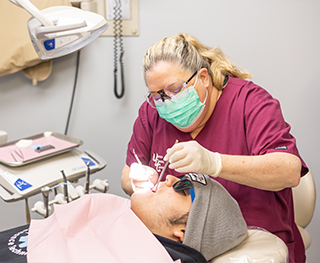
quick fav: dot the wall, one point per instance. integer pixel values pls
(276, 40)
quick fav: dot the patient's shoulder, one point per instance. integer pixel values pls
(180, 251)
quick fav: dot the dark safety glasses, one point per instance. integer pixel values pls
(184, 184)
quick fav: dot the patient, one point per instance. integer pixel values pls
(212, 224)
(187, 216)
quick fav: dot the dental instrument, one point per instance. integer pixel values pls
(136, 156)
(43, 208)
(154, 189)
(87, 184)
(45, 193)
(61, 30)
(65, 186)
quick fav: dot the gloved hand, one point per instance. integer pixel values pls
(142, 176)
(191, 157)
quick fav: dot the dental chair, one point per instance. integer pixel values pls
(261, 246)
(304, 198)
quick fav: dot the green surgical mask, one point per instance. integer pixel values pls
(182, 110)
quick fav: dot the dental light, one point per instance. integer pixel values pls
(61, 30)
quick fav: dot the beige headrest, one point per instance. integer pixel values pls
(259, 246)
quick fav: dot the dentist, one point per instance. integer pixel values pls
(228, 128)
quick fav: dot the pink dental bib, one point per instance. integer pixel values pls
(94, 228)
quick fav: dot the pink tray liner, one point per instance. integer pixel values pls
(29, 153)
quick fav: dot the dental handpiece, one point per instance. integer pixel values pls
(154, 189)
(87, 184)
(65, 186)
(45, 193)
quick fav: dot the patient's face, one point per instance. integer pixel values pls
(157, 210)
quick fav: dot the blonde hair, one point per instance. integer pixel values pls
(192, 55)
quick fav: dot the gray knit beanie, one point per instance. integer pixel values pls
(215, 223)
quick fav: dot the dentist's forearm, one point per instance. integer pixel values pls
(273, 171)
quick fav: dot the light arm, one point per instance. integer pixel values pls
(35, 12)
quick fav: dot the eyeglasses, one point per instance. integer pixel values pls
(157, 97)
(184, 184)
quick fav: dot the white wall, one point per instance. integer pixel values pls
(276, 40)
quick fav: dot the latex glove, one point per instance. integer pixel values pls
(191, 157)
(142, 176)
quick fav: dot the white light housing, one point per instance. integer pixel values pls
(60, 30)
